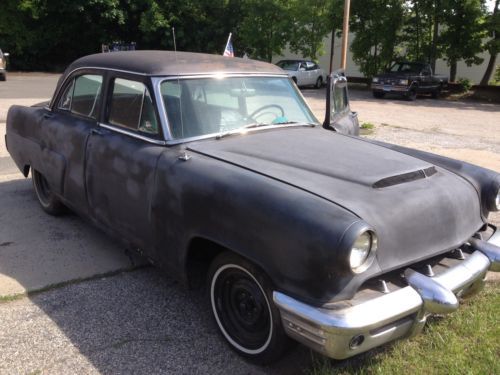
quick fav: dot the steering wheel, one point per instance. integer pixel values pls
(255, 114)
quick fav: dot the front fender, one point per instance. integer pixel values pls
(294, 236)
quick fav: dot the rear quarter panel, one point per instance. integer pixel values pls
(26, 145)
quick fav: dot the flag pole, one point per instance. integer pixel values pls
(228, 40)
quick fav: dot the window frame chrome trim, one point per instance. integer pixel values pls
(132, 134)
(158, 80)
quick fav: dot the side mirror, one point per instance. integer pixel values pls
(302, 69)
(338, 115)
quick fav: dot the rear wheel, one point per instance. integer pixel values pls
(378, 94)
(241, 299)
(435, 94)
(319, 83)
(3, 77)
(49, 202)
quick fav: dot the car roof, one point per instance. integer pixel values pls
(295, 60)
(166, 63)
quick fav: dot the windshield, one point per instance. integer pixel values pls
(406, 68)
(204, 106)
(288, 65)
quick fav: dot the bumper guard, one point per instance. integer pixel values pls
(344, 329)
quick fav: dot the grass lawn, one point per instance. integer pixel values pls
(465, 342)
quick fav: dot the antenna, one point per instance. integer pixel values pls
(179, 84)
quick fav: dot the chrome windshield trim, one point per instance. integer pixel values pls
(158, 80)
(219, 75)
(241, 131)
(132, 134)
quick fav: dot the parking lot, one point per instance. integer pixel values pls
(101, 309)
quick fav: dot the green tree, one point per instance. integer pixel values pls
(313, 20)
(265, 28)
(463, 32)
(377, 26)
(493, 44)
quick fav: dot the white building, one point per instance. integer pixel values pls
(474, 72)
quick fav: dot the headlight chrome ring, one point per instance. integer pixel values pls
(497, 200)
(363, 251)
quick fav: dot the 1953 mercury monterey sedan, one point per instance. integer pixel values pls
(216, 169)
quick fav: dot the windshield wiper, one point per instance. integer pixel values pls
(258, 125)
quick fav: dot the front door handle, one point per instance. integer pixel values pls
(97, 131)
(47, 115)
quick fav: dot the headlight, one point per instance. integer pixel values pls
(375, 80)
(363, 251)
(403, 82)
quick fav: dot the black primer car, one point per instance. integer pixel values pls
(216, 168)
(408, 79)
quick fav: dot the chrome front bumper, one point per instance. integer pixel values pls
(390, 88)
(348, 328)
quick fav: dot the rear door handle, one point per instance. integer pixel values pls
(47, 115)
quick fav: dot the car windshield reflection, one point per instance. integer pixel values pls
(203, 106)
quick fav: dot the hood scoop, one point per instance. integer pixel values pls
(405, 177)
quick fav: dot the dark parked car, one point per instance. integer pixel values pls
(3, 65)
(217, 170)
(408, 79)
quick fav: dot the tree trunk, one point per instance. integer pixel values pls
(489, 70)
(493, 53)
(435, 35)
(453, 70)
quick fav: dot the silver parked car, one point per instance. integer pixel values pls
(3, 65)
(304, 72)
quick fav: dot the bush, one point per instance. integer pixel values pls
(466, 83)
(496, 77)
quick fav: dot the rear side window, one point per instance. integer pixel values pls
(131, 107)
(82, 96)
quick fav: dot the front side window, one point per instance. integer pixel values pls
(204, 106)
(131, 107)
(82, 96)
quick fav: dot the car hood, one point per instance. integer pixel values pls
(416, 208)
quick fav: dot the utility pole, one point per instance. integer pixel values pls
(332, 46)
(345, 34)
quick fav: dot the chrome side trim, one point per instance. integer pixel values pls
(132, 134)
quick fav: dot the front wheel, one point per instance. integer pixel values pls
(241, 300)
(49, 202)
(378, 94)
(412, 94)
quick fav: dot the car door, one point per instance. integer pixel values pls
(122, 153)
(66, 128)
(425, 78)
(312, 70)
(302, 75)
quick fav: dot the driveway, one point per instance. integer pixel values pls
(127, 317)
